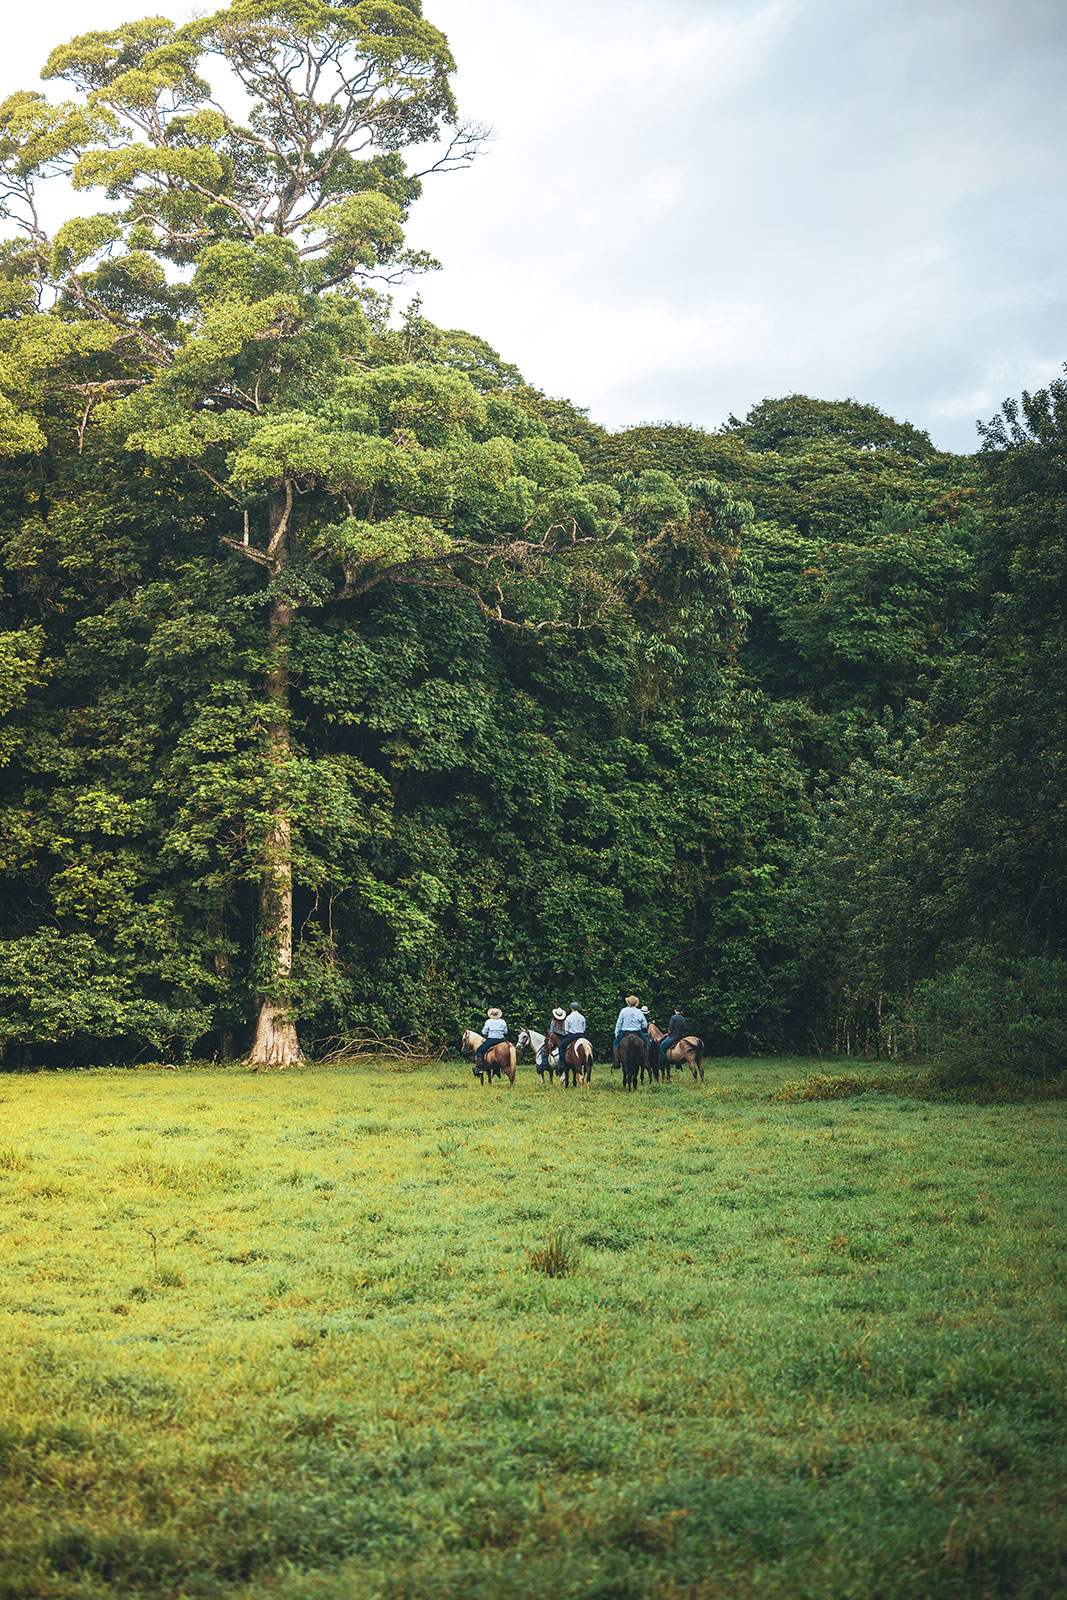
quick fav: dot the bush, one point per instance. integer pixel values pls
(843, 1086)
(995, 1018)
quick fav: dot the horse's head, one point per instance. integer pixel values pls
(523, 1040)
(469, 1041)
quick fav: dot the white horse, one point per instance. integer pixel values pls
(536, 1042)
(583, 1072)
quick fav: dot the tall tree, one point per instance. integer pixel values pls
(212, 320)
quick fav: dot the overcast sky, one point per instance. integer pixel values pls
(692, 204)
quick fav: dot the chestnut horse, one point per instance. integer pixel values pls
(500, 1059)
(689, 1049)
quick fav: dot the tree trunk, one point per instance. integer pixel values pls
(276, 1043)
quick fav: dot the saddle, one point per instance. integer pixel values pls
(670, 1040)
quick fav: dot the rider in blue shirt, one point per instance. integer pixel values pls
(573, 1029)
(631, 1019)
(494, 1030)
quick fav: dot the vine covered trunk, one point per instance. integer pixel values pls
(276, 1043)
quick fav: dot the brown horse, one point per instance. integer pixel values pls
(500, 1059)
(633, 1059)
(689, 1049)
(575, 1059)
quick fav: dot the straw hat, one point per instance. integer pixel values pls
(631, 1000)
(558, 1014)
(494, 1011)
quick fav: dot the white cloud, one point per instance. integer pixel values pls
(691, 204)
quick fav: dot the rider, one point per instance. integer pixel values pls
(631, 1019)
(677, 1029)
(494, 1031)
(573, 1030)
(555, 1031)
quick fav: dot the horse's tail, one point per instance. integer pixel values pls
(512, 1064)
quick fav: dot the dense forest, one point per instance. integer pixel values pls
(349, 682)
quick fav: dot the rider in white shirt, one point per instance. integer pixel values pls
(575, 1023)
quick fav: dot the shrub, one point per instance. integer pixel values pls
(995, 1018)
(842, 1086)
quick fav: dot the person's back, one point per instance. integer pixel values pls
(631, 1019)
(574, 1023)
(494, 1032)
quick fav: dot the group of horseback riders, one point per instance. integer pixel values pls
(633, 1018)
(566, 1034)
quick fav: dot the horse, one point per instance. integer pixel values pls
(633, 1058)
(575, 1057)
(500, 1059)
(543, 1059)
(690, 1049)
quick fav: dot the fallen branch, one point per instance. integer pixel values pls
(366, 1042)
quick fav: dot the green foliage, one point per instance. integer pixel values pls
(994, 1018)
(796, 421)
(55, 988)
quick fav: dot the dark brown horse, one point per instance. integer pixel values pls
(633, 1059)
(690, 1049)
(500, 1059)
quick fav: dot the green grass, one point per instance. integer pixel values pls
(355, 1332)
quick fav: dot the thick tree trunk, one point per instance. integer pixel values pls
(276, 1043)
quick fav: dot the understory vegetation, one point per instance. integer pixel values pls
(386, 1334)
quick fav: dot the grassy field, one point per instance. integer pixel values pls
(294, 1335)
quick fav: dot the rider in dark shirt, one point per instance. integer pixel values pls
(677, 1029)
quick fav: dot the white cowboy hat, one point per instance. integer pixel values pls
(558, 1013)
(494, 1011)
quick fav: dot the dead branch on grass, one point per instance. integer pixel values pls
(366, 1042)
